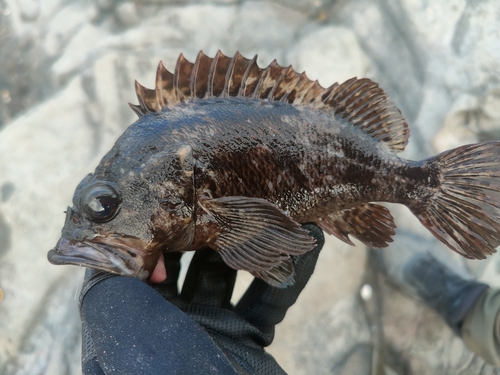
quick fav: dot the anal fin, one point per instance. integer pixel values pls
(370, 223)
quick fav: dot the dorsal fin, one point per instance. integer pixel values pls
(361, 102)
(364, 104)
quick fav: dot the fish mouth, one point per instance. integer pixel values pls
(105, 254)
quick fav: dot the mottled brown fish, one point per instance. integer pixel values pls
(233, 157)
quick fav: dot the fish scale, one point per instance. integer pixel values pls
(235, 157)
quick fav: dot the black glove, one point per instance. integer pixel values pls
(130, 327)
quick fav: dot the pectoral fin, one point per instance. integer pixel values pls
(255, 235)
(281, 276)
(370, 223)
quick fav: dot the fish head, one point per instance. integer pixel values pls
(122, 219)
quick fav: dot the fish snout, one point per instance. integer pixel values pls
(98, 256)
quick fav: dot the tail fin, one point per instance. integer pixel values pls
(465, 211)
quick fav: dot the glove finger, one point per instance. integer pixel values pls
(209, 281)
(264, 305)
(168, 287)
(90, 363)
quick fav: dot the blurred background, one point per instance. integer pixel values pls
(67, 71)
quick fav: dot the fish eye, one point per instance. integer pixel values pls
(100, 202)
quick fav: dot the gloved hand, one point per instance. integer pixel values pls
(130, 327)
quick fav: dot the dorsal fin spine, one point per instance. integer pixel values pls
(137, 109)
(328, 93)
(142, 96)
(194, 74)
(278, 81)
(159, 91)
(314, 95)
(292, 86)
(261, 79)
(281, 87)
(176, 75)
(241, 91)
(225, 91)
(308, 87)
(210, 87)
(164, 87)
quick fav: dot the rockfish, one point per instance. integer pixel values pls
(231, 156)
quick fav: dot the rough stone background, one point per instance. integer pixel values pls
(66, 75)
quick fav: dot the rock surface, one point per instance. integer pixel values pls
(66, 74)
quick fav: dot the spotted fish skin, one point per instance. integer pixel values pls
(231, 156)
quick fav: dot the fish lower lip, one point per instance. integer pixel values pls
(98, 256)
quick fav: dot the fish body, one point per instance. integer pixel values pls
(231, 156)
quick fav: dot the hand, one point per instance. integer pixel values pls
(133, 328)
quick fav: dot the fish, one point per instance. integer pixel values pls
(234, 157)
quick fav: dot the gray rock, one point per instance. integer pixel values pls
(127, 14)
(66, 74)
(329, 54)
